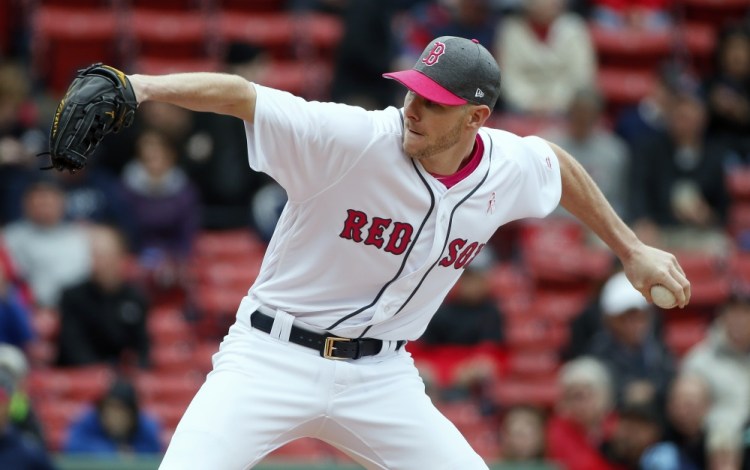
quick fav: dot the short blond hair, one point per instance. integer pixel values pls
(587, 370)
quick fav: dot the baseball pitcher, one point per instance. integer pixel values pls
(386, 209)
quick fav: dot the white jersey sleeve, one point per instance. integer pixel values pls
(540, 180)
(305, 145)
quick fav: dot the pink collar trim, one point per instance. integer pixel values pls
(473, 162)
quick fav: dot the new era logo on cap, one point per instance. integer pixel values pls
(453, 71)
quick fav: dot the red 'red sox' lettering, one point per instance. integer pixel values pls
(357, 224)
(460, 254)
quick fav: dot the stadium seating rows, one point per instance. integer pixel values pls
(547, 291)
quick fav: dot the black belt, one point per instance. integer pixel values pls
(330, 347)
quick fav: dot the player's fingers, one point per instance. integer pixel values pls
(676, 263)
(688, 290)
(681, 288)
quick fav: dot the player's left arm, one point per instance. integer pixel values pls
(219, 93)
(644, 265)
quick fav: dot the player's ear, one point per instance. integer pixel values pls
(478, 115)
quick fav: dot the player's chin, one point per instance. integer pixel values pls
(412, 150)
(415, 154)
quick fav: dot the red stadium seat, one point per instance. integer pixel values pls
(322, 31)
(680, 336)
(632, 49)
(203, 355)
(173, 357)
(715, 13)
(168, 330)
(305, 449)
(80, 383)
(738, 183)
(77, 3)
(162, 65)
(56, 416)
(622, 86)
(9, 9)
(559, 306)
(533, 334)
(274, 32)
(169, 387)
(738, 223)
(507, 280)
(509, 392)
(169, 34)
(700, 265)
(253, 6)
(167, 414)
(46, 323)
(739, 267)
(700, 40)
(709, 292)
(65, 39)
(227, 244)
(177, 5)
(297, 77)
(533, 364)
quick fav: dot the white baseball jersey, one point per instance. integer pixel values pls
(370, 243)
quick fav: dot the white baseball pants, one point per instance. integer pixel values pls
(264, 392)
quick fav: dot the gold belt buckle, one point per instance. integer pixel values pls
(329, 347)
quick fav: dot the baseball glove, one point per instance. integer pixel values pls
(99, 101)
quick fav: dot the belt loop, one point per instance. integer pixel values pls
(282, 325)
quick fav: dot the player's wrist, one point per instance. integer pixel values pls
(140, 87)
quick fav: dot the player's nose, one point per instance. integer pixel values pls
(411, 110)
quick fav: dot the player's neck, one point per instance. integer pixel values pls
(449, 160)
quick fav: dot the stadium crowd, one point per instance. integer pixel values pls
(118, 282)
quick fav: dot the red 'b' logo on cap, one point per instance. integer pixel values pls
(437, 50)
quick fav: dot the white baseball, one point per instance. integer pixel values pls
(662, 296)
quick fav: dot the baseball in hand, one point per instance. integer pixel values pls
(663, 297)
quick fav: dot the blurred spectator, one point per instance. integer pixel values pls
(679, 199)
(94, 196)
(602, 154)
(260, 199)
(104, 317)
(648, 118)
(728, 89)
(91, 196)
(213, 152)
(472, 19)
(357, 76)
(522, 435)
(470, 315)
(20, 137)
(640, 365)
(16, 450)
(22, 415)
(164, 206)
(688, 404)
(638, 431)
(546, 55)
(115, 426)
(583, 417)
(15, 316)
(653, 15)
(49, 253)
(723, 358)
(10, 273)
(728, 451)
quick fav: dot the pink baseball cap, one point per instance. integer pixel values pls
(453, 71)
